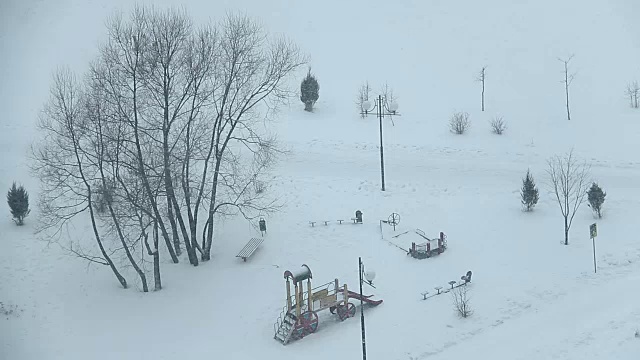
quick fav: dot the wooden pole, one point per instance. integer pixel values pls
(297, 299)
(309, 299)
(288, 295)
(595, 268)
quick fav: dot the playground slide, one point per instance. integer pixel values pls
(364, 298)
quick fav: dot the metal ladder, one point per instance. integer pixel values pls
(284, 326)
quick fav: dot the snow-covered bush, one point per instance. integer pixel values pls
(460, 298)
(498, 125)
(459, 123)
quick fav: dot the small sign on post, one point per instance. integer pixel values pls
(593, 230)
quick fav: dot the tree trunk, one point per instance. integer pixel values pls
(174, 231)
(143, 175)
(120, 278)
(308, 106)
(566, 231)
(156, 260)
(206, 250)
(483, 92)
(171, 199)
(566, 87)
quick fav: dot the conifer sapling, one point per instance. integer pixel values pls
(529, 192)
(18, 200)
(596, 196)
(309, 91)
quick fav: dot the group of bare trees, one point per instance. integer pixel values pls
(164, 133)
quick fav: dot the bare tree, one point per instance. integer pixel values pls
(388, 96)
(498, 125)
(459, 123)
(568, 79)
(103, 151)
(633, 89)
(250, 75)
(125, 67)
(461, 301)
(363, 95)
(481, 78)
(569, 182)
(64, 163)
(169, 123)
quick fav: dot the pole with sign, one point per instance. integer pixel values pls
(593, 230)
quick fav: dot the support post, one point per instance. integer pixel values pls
(288, 295)
(297, 299)
(364, 343)
(595, 268)
(309, 298)
(380, 116)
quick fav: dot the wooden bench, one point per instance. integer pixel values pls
(313, 223)
(355, 221)
(424, 295)
(250, 248)
(340, 221)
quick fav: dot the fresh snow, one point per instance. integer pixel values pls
(533, 298)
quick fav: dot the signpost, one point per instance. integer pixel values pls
(593, 230)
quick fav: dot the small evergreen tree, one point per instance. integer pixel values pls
(18, 200)
(529, 192)
(596, 196)
(309, 91)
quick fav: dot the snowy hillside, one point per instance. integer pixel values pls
(532, 297)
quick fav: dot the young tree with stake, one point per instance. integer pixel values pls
(568, 180)
(481, 78)
(568, 79)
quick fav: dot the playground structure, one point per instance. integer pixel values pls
(299, 317)
(421, 250)
(464, 280)
(356, 220)
(427, 249)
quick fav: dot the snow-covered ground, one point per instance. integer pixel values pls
(532, 297)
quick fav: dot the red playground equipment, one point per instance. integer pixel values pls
(299, 317)
(426, 249)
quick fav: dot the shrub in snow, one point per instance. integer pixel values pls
(18, 200)
(363, 95)
(596, 196)
(498, 125)
(529, 192)
(460, 297)
(459, 123)
(8, 309)
(633, 90)
(309, 91)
